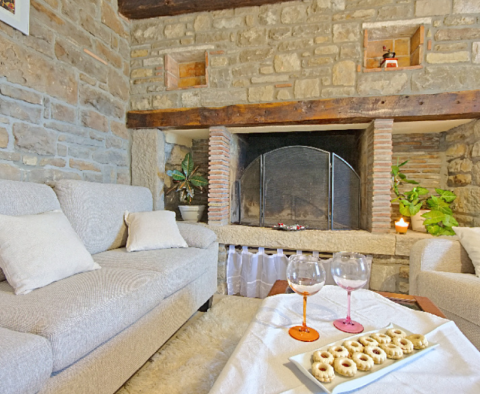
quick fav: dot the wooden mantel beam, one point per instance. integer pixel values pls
(141, 9)
(440, 106)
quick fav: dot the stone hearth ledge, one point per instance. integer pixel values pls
(360, 241)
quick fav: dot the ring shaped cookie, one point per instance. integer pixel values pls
(367, 341)
(324, 357)
(338, 351)
(405, 344)
(393, 351)
(376, 353)
(364, 361)
(345, 366)
(323, 372)
(395, 332)
(353, 346)
(381, 338)
(418, 340)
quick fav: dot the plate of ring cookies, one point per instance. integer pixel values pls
(356, 361)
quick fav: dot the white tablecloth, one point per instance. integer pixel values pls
(260, 362)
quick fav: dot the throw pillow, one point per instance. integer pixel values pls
(36, 250)
(470, 240)
(196, 235)
(153, 230)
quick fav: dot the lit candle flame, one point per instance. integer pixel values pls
(402, 223)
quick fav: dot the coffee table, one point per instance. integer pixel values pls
(414, 302)
(260, 362)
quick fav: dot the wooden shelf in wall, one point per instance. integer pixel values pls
(371, 70)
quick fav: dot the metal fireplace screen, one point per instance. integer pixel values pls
(300, 184)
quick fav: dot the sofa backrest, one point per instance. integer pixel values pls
(25, 198)
(96, 211)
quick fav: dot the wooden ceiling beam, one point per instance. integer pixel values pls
(405, 108)
(142, 9)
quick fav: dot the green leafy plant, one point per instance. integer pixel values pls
(187, 180)
(410, 202)
(439, 220)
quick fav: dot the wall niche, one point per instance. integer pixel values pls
(186, 70)
(406, 41)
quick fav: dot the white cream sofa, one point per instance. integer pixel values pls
(87, 334)
(441, 270)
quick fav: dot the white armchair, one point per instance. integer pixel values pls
(441, 270)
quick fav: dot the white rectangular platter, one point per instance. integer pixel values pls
(342, 384)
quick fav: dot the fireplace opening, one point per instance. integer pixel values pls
(298, 183)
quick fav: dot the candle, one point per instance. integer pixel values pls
(401, 226)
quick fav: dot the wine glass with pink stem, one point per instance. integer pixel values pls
(350, 272)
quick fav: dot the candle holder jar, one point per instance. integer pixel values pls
(401, 226)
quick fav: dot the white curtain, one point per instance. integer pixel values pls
(253, 274)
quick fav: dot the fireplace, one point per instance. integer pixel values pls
(332, 179)
(299, 185)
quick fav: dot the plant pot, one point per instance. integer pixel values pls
(191, 213)
(417, 221)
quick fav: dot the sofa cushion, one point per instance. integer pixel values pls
(79, 313)
(452, 292)
(25, 362)
(25, 198)
(96, 211)
(178, 267)
(196, 235)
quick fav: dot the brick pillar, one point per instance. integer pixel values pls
(379, 137)
(219, 176)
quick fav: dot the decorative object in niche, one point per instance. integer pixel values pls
(16, 13)
(185, 70)
(404, 43)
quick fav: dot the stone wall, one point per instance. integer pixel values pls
(463, 161)
(426, 161)
(62, 111)
(304, 50)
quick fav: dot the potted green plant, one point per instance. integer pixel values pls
(437, 219)
(185, 182)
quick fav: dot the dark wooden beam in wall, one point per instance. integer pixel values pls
(142, 9)
(441, 106)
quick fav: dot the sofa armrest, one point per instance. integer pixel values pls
(196, 236)
(437, 254)
(26, 362)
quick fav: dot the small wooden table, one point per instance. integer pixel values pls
(413, 302)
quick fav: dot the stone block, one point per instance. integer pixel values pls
(202, 22)
(307, 88)
(252, 37)
(141, 73)
(10, 172)
(141, 52)
(327, 50)
(140, 104)
(446, 78)
(355, 15)
(284, 95)
(79, 152)
(456, 20)
(459, 180)
(165, 101)
(476, 174)
(345, 32)
(260, 93)
(63, 112)
(21, 94)
(294, 14)
(94, 120)
(456, 150)
(110, 18)
(217, 36)
(83, 165)
(120, 129)
(433, 7)
(311, 30)
(52, 161)
(344, 73)
(292, 45)
(456, 46)
(20, 110)
(270, 78)
(100, 101)
(460, 165)
(468, 200)
(338, 92)
(287, 62)
(229, 23)
(466, 7)
(117, 84)
(4, 137)
(451, 57)
(279, 33)
(112, 157)
(268, 15)
(382, 83)
(476, 52)
(400, 11)
(34, 139)
(176, 30)
(317, 61)
(466, 33)
(145, 31)
(191, 99)
(218, 61)
(153, 61)
(259, 54)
